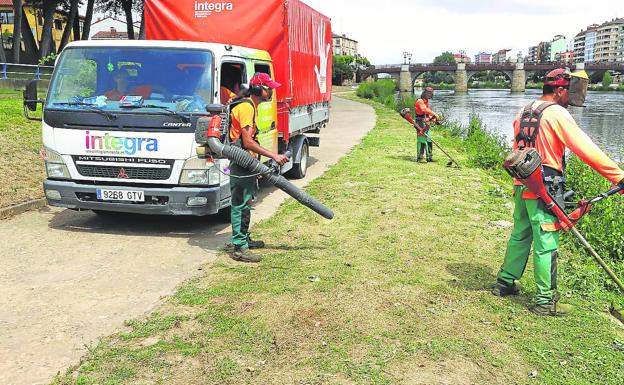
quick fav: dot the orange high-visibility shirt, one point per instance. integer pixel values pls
(241, 117)
(226, 94)
(557, 131)
(422, 107)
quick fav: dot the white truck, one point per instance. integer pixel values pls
(119, 125)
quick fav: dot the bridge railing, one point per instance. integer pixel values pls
(10, 71)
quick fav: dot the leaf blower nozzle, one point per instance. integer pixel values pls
(211, 131)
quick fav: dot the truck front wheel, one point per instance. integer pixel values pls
(299, 169)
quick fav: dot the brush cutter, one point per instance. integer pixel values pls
(526, 166)
(405, 114)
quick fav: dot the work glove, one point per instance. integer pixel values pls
(621, 184)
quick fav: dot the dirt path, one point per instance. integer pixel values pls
(68, 277)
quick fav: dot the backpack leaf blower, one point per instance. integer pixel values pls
(210, 131)
(405, 114)
(526, 166)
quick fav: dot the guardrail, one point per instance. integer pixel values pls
(25, 71)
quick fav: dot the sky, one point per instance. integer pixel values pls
(385, 29)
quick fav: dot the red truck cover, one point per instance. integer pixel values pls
(298, 38)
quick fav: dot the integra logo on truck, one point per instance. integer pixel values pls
(206, 8)
(108, 144)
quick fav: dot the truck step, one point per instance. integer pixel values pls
(314, 141)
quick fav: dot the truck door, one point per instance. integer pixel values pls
(267, 113)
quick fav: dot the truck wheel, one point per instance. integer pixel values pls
(299, 169)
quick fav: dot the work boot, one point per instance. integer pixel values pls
(255, 244)
(430, 159)
(502, 289)
(553, 308)
(244, 255)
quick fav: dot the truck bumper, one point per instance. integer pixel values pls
(159, 201)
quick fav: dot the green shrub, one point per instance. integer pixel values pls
(485, 148)
(604, 226)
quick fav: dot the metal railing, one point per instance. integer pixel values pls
(25, 71)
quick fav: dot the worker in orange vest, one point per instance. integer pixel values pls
(423, 120)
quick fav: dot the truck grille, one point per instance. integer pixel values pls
(145, 173)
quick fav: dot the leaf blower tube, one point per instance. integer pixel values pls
(405, 114)
(526, 166)
(212, 128)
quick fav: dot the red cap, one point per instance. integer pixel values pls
(559, 77)
(262, 79)
(429, 88)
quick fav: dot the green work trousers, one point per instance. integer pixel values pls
(533, 225)
(424, 147)
(242, 187)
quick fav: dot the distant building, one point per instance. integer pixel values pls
(483, 58)
(539, 54)
(566, 57)
(500, 57)
(111, 28)
(583, 45)
(461, 58)
(531, 55)
(113, 34)
(609, 46)
(342, 45)
(558, 45)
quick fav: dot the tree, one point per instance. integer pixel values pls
(17, 29)
(341, 69)
(445, 58)
(117, 7)
(607, 79)
(49, 8)
(69, 26)
(86, 29)
(139, 7)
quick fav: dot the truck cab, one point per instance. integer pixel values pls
(119, 124)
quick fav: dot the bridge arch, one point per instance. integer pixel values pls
(508, 75)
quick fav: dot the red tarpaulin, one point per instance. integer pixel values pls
(297, 37)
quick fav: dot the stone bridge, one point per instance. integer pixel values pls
(406, 74)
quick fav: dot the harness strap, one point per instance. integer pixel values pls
(530, 124)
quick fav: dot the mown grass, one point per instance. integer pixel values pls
(21, 168)
(394, 290)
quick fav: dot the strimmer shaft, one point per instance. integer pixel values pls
(597, 257)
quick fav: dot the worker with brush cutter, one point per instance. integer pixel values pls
(543, 129)
(424, 118)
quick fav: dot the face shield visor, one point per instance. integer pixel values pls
(577, 91)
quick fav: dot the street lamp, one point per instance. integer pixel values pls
(407, 56)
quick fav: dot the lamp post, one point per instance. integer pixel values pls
(407, 56)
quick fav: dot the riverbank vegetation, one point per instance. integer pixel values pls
(394, 288)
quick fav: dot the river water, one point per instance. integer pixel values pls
(602, 118)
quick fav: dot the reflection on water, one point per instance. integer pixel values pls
(602, 118)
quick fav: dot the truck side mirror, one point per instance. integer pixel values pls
(30, 99)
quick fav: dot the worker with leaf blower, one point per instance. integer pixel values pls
(548, 128)
(423, 120)
(243, 133)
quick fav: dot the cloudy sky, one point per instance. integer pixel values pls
(384, 29)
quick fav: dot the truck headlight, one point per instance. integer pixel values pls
(55, 166)
(198, 171)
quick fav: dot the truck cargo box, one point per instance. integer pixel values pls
(298, 38)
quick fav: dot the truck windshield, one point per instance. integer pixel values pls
(132, 79)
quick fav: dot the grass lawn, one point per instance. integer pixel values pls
(21, 168)
(394, 290)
